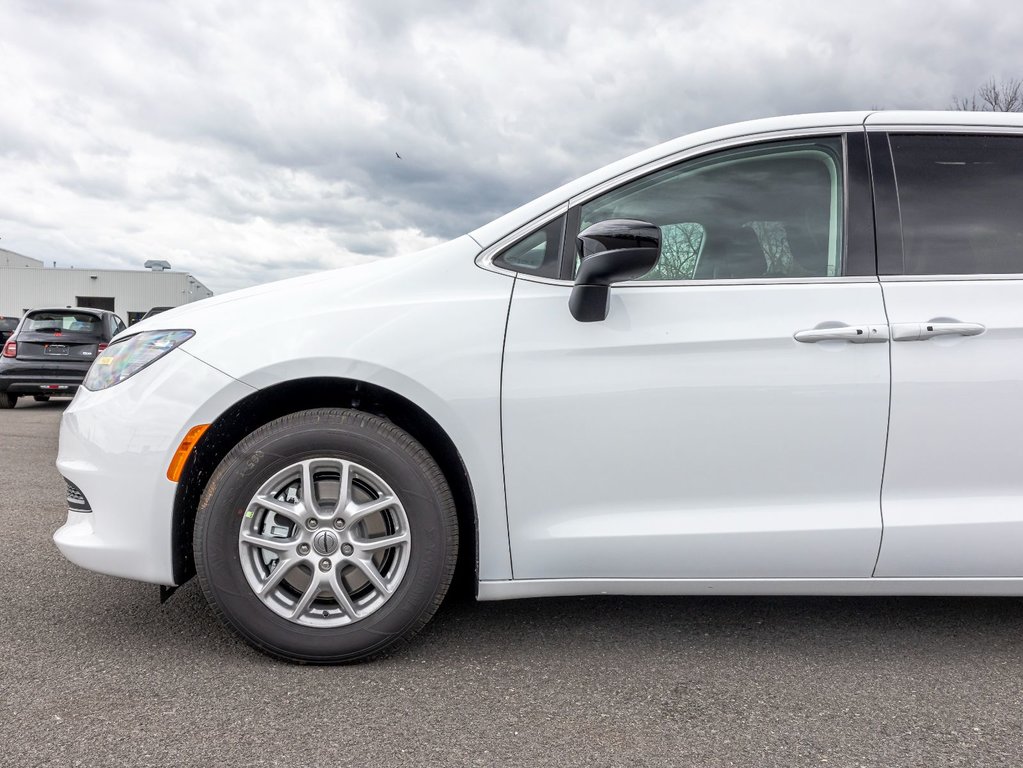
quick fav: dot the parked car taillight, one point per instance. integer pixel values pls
(101, 347)
(11, 349)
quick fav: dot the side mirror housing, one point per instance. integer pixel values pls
(618, 250)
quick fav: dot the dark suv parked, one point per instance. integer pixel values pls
(7, 326)
(51, 350)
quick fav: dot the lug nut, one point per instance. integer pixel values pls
(324, 564)
(311, 523)
(303, 549)
(339, 524)
(347, 549)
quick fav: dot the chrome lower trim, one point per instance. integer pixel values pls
(521, 588)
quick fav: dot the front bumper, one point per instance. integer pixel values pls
(116, 444)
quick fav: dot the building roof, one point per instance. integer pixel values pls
(12, 259)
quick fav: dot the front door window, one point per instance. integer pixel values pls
(773, 211)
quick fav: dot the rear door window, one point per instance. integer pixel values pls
(961, 200)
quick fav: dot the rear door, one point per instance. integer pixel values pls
(952, 266)
(726, 419)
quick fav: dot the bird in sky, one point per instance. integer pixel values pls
(397, 155)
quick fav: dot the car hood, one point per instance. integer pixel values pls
(287, 311)
(317, 289)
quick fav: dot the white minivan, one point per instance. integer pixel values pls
(778, 357)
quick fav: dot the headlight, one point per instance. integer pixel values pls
(126, 358)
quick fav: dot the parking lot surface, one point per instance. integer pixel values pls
(95, 671)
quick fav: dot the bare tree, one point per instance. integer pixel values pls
(993, 96)
(680, 246)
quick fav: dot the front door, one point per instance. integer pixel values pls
(728, 418)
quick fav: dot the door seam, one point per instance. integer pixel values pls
(500, 412)
(887, 432)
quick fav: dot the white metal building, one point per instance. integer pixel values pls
(26, 284)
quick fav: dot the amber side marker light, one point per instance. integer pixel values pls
(184, 450)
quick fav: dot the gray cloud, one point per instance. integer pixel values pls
(246, 141)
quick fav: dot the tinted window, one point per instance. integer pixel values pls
(770, 211)
(64, 322)
(538, 253)
(961, 199)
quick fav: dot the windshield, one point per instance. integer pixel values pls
(59, 323)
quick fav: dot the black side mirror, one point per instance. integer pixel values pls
(611, 251)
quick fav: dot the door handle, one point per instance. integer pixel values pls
(854, 334)
(928, 330)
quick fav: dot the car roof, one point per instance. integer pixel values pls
(931, 119)
(89, 310)
(490, 233)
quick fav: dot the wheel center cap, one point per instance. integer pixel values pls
(325, 543)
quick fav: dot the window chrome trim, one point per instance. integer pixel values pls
(976, 130)
(485, 259)
(717, 283)
(949, 278)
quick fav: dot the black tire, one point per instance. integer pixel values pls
(7, 400)
(381, 447)
(41, 398)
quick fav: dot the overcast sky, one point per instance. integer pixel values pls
(249, 141)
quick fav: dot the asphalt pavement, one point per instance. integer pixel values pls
(94, 671)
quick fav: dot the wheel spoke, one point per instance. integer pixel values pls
(383, 542)
(276, 575)
(266, 542)
(371, 507)
(280, 507)
(341, 595)
(315, 584)
(369, 570)
(344, 488)
(308, 488)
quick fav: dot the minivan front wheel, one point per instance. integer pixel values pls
(326, 536)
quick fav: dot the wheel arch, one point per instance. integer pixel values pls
(272, 402)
